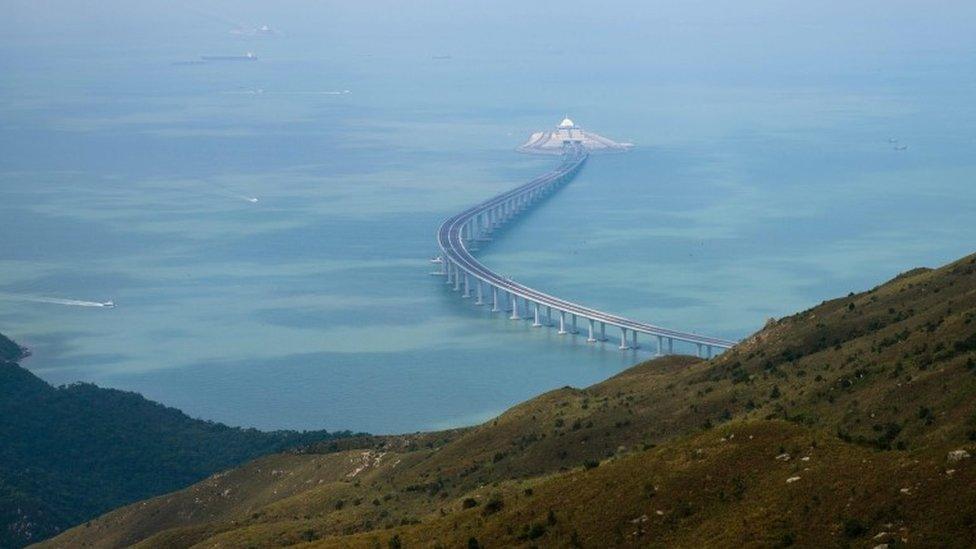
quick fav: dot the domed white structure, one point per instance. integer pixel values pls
(568, 133)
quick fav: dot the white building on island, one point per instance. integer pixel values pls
(567, 132)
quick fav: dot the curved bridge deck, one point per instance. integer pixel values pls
(466, 273)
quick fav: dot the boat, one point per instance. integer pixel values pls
(246, 57)
(109, 304)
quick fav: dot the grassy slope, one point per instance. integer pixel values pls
(721, 488)
(882, 381)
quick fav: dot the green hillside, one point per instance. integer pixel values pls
(849, 424)
(71, 453)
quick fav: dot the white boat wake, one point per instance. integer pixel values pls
(231, 192)
(57, 301)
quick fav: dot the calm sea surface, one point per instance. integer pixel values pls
(766, 178)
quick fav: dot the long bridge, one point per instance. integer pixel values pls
(472, 278)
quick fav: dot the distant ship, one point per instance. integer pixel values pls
(108, 304)
(263, 30)
(246, 57)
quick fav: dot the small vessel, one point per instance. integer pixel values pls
(249, 56)
(109, 304)
(440, 261)
(263, 30)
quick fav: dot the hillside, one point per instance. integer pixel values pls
(71, 453)
(847, 424)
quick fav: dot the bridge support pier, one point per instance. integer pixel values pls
(536, 323)
(623, 339)
(660, 345)
(515, 311)
(494, 299)
(548, 316)
(481, 294)
(591, 339)
(562, 322)
(457, 279)
(699, 349)
(450, 268)
(670, 345)
(603, 331)
(708, 351)
(633, 339)
(575, 331)
(467, 286)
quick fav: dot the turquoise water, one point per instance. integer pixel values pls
(763, 181)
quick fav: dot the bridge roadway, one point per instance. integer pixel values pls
(477, 223)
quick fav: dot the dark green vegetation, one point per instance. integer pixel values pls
(71, 453)
(850, 424)
(10, 351)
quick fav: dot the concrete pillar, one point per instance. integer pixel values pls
(591, 339)
(548, 316)
(494, 299)
(467, 286)
(536, 323)
(708, 351)
(603, 331)
(623, 339)
(457, 278)
(562, 322)
(450, 271)
(699, 350)
(670, 345)
(515, 311)
(633, 338)
(481, 294)
(660, 345)
(575, 331)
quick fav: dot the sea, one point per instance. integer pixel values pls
(264, 227)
